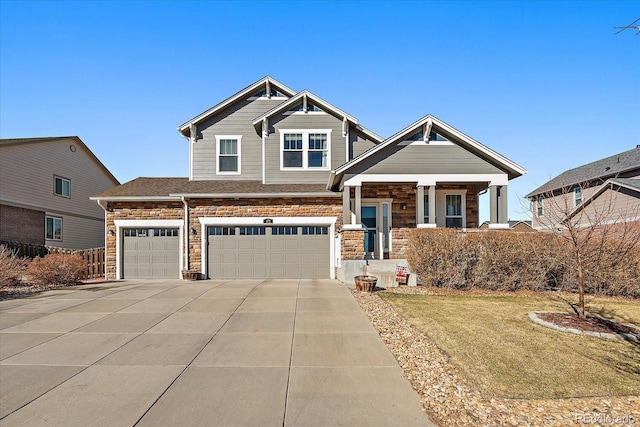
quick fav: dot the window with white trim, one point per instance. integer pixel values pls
(53, 228)
(305, 149)
(61, 186)
(453, 213)
(540, 205)
(577, 196)
(228, 154)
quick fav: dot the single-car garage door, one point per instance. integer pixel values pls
(150, 253)
(272, 252)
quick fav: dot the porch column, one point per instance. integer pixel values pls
(419, 205)
(346, 206)
(357, 207)
(498, 208)
(432, 205)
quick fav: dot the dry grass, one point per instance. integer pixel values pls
(491, 340)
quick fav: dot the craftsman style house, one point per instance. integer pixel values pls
(45, 185)
(283, 184)
(600, 192)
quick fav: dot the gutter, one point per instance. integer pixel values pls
(186, 233)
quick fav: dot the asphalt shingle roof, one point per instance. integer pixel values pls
(599, 170)
(164, 187)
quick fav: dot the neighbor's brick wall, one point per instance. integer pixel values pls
(135, 210)
(261, 208)
(22, 225)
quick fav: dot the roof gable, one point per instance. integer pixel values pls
(602, 169)
(307, 98)
(429, 126)
(43, 140)
(267, 84)
(629, 186)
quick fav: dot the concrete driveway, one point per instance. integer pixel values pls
(228, 353)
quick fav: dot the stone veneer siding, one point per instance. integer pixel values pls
(260, 208)
(22, 225)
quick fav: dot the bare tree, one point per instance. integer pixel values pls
(601, 226)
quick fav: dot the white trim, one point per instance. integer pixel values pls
(441, 206)
(238, 139)
(249, 195)
(327, 221)
(146, 223)
(53, 229)
(499, 226)
(292, 113)
(426, 226)
(427, 179)
(352, 227)
(266, 98)
(405, 143)
(305, 149)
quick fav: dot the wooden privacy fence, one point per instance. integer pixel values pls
(94, 257)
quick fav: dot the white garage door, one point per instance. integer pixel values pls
(150, 253)
(272, 252)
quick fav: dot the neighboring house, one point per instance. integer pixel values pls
(514, 225)
(283, 184)
(611, 180)
(45, 185)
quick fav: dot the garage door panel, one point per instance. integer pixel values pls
(280, 252)
(146, 255)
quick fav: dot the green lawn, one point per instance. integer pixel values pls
(501, 352)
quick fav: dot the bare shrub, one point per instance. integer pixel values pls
(57, 270)
(12, 268)
(442, 257)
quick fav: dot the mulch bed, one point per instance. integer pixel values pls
(589, 324)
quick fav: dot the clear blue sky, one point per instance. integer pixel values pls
(547, 84)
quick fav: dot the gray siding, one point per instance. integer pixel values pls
(303, 121)
(358, 143)
(236, 120)
(425, 159)
(26, 177)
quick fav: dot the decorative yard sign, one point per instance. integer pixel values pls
(401, 274)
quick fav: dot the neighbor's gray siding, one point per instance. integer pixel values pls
(236, 120)
(425, 159)
(303, 121)
(27, 175)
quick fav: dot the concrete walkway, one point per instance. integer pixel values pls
(224, 353)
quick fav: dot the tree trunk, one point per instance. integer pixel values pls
(580, 288)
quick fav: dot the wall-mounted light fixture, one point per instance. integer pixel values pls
(194, 231)
(403, 206)
(112, 233)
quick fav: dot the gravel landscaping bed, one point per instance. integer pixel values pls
(450, 401)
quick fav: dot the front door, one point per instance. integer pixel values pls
(376, 219)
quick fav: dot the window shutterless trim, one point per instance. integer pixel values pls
(53, 219)
(62, 181)
(238, 155)
(305, 149)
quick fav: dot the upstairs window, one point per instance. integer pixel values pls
(228, 154)
(305, 149)
(577, 195)
(540, 205)
(61, 186)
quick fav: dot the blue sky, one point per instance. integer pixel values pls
(547, 84)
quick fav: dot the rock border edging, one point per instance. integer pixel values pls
(533, 315)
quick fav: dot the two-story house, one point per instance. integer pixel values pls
(45, 185)
(600, 192)
(283, 184)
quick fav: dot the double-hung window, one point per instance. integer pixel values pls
(453, 213)
(61, 186)
(540, 206)
(228, 154)
(577, 196)
(53, 228)
(305, 149)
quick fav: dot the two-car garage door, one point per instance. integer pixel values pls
(233, 252)
(242, 252)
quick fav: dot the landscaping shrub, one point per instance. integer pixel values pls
(12, 268)
(57, 270)
(508, 261)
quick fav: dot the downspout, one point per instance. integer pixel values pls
(106, 233)
(186, 233)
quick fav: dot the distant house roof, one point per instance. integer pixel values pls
(176, 188)
(608, 167)
(615, 184)
(38, 140)
(514, 170)
(185, 128)
(512, 224)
